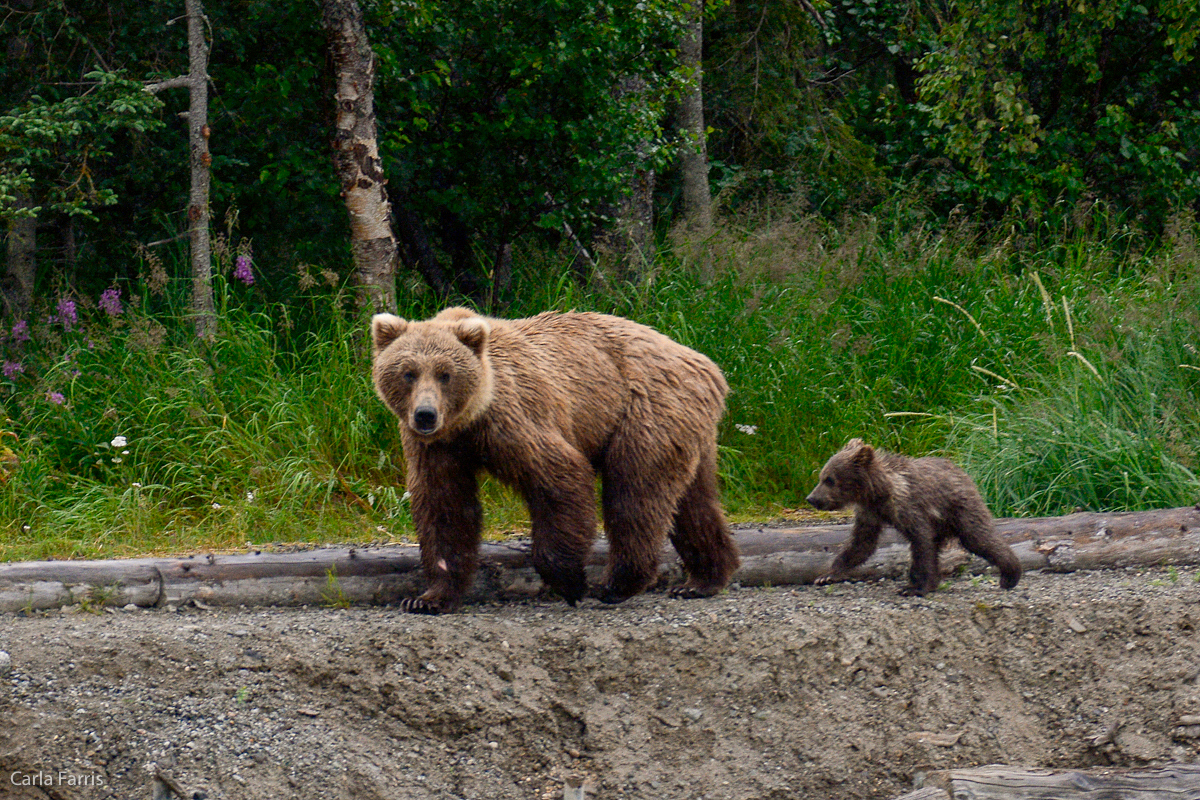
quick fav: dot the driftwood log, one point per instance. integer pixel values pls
(995, 782)
(770, 556)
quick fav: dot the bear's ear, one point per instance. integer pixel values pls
(473, 333)
(385, 329)
(864, 455)
(854, 444)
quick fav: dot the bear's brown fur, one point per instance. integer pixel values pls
(929, 500)
(544, 404)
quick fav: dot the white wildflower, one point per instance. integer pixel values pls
(119, 441)
(749, 430)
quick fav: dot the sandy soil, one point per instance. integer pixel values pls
(847, 691)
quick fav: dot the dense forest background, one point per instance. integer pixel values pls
(964, 228)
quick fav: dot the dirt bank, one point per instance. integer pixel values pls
(850, 691)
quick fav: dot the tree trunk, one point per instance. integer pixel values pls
(417, 251)
(22, 261)
(203, 306)
(630, 239)
(356, 155)
(204, 310)
(697, 199)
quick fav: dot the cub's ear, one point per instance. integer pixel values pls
(865, 454)
(473, 332)
(854, 444)
(385, 329)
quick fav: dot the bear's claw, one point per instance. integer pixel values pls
(415, 605)
(687, 592)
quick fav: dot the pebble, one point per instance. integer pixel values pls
(5, 663)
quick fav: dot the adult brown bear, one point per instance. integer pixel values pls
(545, 404)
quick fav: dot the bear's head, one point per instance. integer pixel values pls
(434, 375)
(845, 479)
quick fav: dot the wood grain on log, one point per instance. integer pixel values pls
(770, 556)
(996, 782)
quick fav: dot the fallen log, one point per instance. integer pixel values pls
(996, 782)
(776, 556)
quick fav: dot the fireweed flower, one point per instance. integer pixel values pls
(242, 271)
(56, 398)
(20, 331)
(12, 369)
(110, 302)
(67, 313)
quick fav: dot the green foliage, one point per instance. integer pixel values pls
(48, 149)
(1043, 100)
(1074, 388)
(501, 119)
(776, 105)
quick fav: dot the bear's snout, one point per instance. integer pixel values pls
(818, 502)
(425, 419)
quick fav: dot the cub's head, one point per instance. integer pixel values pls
(434, 375)
(844, 477)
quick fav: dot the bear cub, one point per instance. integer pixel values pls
(929, 500)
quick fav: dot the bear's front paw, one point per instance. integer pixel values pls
(689, 592)
(826, 579)
(417, 605)
(912, 591)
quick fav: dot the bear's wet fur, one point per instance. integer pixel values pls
(545, 404)
(928, 500)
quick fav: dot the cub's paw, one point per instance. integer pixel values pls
(611, 596)
(912, 591)
(827, 579)
(417, 605)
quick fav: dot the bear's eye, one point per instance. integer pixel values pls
(828, 481)
(444, 377)
(410, 376)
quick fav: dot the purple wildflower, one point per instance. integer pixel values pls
(242, 271)
(110, 302)
(20, 331)
(67, 313)
(56, 398)
(12, 369)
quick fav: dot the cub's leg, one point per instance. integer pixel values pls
(864, 538)
(923, 574)
(977, 534)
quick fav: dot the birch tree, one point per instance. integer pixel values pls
(356, 155)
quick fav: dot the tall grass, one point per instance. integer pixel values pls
(1060, 367)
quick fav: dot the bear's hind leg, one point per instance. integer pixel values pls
(978, 536)
(562, 512)
(701, 534)
(638, 508)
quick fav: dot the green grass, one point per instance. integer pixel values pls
(1060, 367)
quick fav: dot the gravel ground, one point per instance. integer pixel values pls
(847, 691)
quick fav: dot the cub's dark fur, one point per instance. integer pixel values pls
(929, 500)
